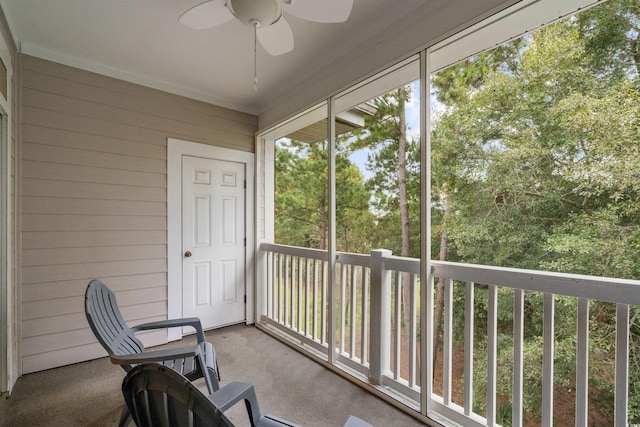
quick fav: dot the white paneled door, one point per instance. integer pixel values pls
(213, 241)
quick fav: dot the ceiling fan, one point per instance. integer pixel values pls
(267, 18)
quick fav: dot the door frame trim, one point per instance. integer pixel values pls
(176, 149)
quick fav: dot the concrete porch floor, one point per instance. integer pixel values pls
(288, 384)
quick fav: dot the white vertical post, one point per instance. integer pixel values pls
(469, 305)
(307, 287)
(352, 321)
(426, 279)
(364, 328)
(300, 313)
(492, 347)
(582, 364)
(343, 306)
(331, 252)
(518, 358)
(621, 412)
(547, 359)
(278, 289)
(316, 290)
(271, 307)
(397, 325)
(412, 331)
(287, 284)
(380, 312)
(324, 310)
(447, 344)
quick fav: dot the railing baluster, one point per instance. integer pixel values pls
(469, 304)
(323, 305)
(287, 284)
(270, 281)
(307, 282)
(294, 297)
(547, 360)
(413, 297)
(582, 364)
(280, 288)
(364, 322)
(397, 330)
(343, 306)
(447, 342)
(518, 358)
(352, 321)
(314, 299)
(621, 412)
(492, 370)
(298, 293)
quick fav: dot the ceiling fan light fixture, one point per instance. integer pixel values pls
(258, 13)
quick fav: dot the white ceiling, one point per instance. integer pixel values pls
(142, 41)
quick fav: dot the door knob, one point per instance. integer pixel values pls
(187, 254)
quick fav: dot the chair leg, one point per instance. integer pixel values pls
(125, 417)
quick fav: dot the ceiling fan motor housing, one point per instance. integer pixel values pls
(260, 13)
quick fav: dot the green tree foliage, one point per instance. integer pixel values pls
(537, 152)
(301, 211)
(393, 160)
(536, 164)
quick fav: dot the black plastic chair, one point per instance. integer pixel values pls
(109, 327)
(158, 396)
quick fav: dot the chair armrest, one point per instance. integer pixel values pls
(194, 322)
(236, 391)
(156, 356)
(231, 394)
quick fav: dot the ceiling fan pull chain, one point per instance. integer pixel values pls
(255, 56)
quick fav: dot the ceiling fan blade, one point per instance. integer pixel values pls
(277, 39)
(206, 15)
(326, 11)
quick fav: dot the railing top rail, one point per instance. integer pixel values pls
(574, 285)
(591, 287)
(318, 254)
(362, 260)
(392, 262)
(402, 264)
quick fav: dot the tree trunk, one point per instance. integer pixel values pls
(323, 224)
(439, 308)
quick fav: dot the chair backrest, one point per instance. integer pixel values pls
(107, 323)
(158, 396)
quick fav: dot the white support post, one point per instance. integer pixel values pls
(331, 238)
(426, 275)
(518, 357)
(621, 411)
(364, 343)
(582, 364)
(380, 312)
(547, 359)
(447, 344)
(469, 304)
(492, 367)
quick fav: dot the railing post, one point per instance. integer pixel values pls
(380, 312)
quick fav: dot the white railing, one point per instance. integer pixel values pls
(375, 340)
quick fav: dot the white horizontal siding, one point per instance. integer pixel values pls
(94, 200)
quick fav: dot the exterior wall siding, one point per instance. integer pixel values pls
(94, 200)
